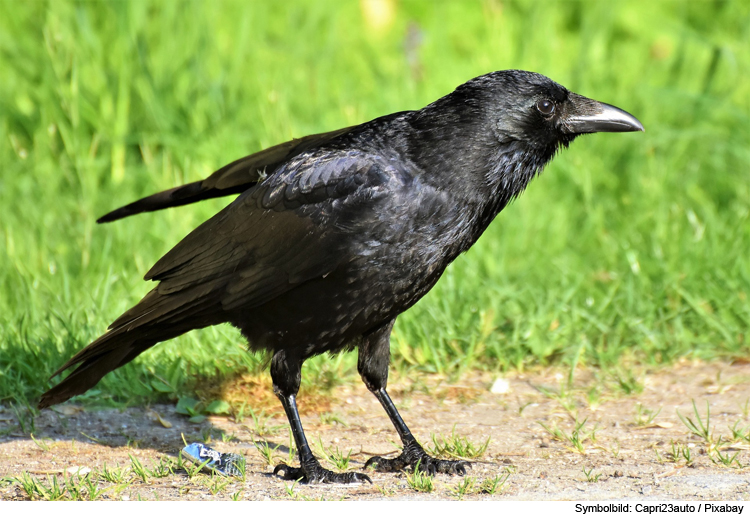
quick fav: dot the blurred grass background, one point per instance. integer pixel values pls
(629, 249)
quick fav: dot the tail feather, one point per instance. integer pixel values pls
(155, 319)
(87, 375)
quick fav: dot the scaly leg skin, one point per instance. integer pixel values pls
(415, 457)
(285, 373)
(374, 357)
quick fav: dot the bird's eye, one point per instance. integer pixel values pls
(545, 106)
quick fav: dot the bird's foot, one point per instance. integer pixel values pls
(414, 456)
(311, 473)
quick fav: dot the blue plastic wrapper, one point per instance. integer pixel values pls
(225, 464)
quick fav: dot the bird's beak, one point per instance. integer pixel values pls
(587, 115)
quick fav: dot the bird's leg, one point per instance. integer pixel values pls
(374, 357)
(286, 373)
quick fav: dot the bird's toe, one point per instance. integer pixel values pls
(347, 478)
(381, 464)
(288, 473)
(443, 466)
(315, 474)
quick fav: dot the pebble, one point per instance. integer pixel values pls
(500, 386)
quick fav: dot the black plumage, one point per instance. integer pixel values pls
(334, 235)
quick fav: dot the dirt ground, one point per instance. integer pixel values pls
(622, 451)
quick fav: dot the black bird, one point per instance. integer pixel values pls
(336, 234)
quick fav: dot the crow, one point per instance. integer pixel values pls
(334, 235)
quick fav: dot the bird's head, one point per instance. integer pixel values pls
(531, 108)
(499, 130)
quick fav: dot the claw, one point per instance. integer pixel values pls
(289, 473)
(358, 477)
(317, 474)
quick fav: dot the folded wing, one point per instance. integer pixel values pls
(231, 179)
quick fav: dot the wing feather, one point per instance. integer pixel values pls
(278, 234)
(232, 179)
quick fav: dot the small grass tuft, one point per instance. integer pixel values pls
(575, 439)
(720, 458)
(493, 485)
(25, 417)
(116, 475)
(645, 416)
(466, 486)
(335, 456)
(261, 427)
(420, 481)
(385, 491)
(740, 434)
(164, 467)
(590, 476)
(698, 427)
(55, 489)
(745, 408)
(266, 452)
(41, 443)
(679, 452)
(456, 447)
(217, 484)
(138, 469)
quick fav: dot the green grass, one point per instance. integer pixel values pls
(697, 427)
(456, 447)
(334, 455)
(93, 484)
(420, 481)
(644, 416)
(577, 437)
(591, 477)
(630, 248)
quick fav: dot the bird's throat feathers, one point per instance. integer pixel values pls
(507, 173)
(511, 167)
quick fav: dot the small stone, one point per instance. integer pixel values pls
(68, 409)
(500, 386)
(78, 471)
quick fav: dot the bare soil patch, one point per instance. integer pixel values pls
(629, 455)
